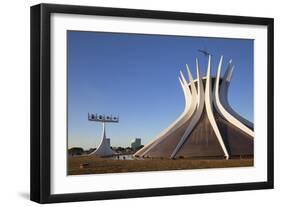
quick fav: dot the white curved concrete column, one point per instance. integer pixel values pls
(197, 115)
(191, 103)
(222, 111)
(223, 95)
(209, 109)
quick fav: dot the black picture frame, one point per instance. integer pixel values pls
(41, 99)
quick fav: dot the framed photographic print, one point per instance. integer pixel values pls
(133, 103)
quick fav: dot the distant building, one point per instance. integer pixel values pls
(136, 143)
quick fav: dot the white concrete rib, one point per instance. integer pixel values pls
(197, 115)
(223, 95)
(209, 110)
(222, 111)
(190, 106)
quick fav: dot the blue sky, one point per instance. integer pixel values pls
(135, 76)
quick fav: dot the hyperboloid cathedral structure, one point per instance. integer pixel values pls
(208, 126)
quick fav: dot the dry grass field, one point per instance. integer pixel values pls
(93, 165)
